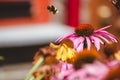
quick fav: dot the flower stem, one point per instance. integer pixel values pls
(35, 67)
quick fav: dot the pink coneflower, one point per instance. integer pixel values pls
(85, 57)
(85, 35)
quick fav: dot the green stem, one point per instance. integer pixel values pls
(40, 77)
(32, 78)
(35, 67)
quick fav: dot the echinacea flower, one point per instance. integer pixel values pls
(64, 52)
(85, 57)
(85, 35)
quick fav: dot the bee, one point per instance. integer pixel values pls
(52, 9)
(116, 3)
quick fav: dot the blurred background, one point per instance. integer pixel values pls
(27, 25)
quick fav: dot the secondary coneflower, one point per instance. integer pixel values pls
(86, 56)
(64, 52)
(110, 50)
(85, 34)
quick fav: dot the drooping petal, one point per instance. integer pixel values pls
(88, 43)
(64, 56)
(59, 52)
(64, 53)
(98, 35)
(96, 41)
(65, 36)
(80, 47)
(103, 28)
(78, 41)
(70, 53)
(106, 34)
(73, 38)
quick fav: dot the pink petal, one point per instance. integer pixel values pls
(64, 67)
(88, 43)
(80, 47)
(79, 74)
(78, 41)
(102, 38)
(113, 63)
(92, 68)
(73, 38)
(96, 41)
(65, 36)
(103, 28)
(105, 33)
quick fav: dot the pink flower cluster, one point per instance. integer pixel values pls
(83, 62)
(95, 71)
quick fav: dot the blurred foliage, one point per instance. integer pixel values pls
(2, 58)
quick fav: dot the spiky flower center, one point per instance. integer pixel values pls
(81, 61)
(86, 56)
(84, 30)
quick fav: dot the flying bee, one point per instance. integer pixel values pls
(52, 9)
(116, 3)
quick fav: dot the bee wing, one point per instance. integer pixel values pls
(116, 3)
